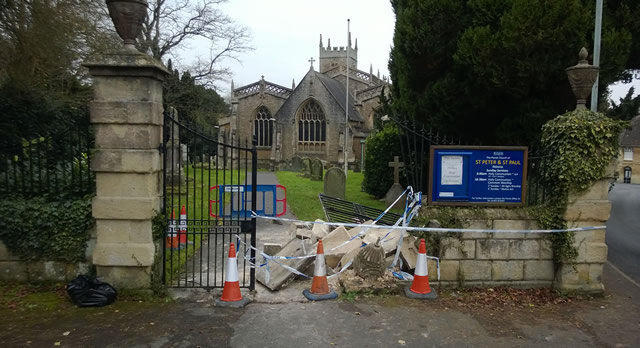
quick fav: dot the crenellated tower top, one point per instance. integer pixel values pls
(333, 56)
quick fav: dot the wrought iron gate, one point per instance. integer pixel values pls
(195, 167)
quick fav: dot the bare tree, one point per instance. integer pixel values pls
(171, 24)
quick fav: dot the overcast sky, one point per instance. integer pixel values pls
(285, 34)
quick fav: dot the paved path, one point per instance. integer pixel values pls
(623, 229)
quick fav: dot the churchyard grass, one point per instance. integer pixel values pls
(302, 194)
(194, 195)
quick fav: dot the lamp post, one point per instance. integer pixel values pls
(596, 54)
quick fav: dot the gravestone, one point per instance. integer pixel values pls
(335, 183)
(296, 164)
(183, 155)
(396, 189)
(316, 170)
(306, 167)
(174, 173)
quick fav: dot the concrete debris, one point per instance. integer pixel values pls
(352, 283)
(352, 232)
(338, 258)
(272, 248)
(337, 237)
(348, 257)
(278, 276)
(319, 231)
(409, 252)
(303, 233)
(389, 243)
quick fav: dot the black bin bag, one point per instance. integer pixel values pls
(88, 291)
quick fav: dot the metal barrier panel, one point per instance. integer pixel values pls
(267, 203)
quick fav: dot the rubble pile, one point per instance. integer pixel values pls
(341, 249)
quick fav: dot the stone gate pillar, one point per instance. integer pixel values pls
(126, 115)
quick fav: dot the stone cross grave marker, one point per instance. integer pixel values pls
(316, 170)
(396, 165)
(335, 183)
(306, 167)
(396, 189)
(296, 164)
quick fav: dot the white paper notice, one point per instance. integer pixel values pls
(451, 170)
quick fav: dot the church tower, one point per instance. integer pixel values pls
(332, 57)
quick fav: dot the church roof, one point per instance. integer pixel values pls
(262, 85)
(337, 91)
(631, 137)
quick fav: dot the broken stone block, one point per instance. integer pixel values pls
(389, 243)
(293, 231)
(337, 236)
(334, 240)
(303, 233)
(409, 252)
(319, 231)
(272, 248)
(354, 231)
(278, 275)
(348, 257)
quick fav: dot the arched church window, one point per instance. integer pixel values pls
(263, 127)
(312, 127)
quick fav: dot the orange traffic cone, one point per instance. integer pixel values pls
(319, 286)
(420, 287)
(231, 296)
(182, 233)
(172, 236)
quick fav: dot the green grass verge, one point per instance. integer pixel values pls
(302, 194)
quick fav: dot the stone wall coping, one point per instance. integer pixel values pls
(126, 63)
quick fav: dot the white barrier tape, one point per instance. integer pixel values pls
(433, 229)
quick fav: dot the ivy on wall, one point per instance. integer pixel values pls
(578, 146)
(46, 229)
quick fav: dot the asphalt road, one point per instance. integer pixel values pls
(623, 229)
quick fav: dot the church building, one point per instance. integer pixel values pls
(308, 119)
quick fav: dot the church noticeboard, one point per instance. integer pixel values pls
(483, 175)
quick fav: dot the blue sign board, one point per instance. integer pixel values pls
(477, 175)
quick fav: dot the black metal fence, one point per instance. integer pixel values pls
(48, 163)
(536, 188)
(415, 142)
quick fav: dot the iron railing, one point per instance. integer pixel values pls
(48, 164)
(415, 142)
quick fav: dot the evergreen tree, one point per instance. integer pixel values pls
(492, 71)
(627, 108)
